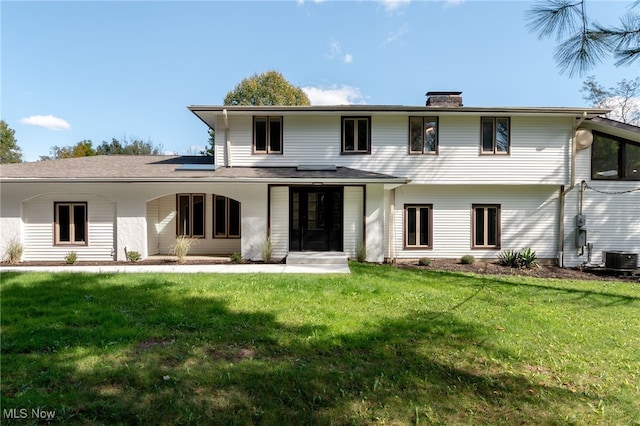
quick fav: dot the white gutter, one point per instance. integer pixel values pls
(288, 180)
(564, 192)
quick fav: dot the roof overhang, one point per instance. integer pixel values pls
(209, 113)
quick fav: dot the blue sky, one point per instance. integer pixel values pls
(96, 70)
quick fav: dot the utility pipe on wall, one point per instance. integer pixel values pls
(564, 192)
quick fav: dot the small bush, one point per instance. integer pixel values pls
(266, 250)
(361, 252)
(526, 258)
(236, 257)
(14, 251)
(467, 259)
(71, 258)
(181, 247)
(424, 261)
(133, 256)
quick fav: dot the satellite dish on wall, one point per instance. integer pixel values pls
(584, 138)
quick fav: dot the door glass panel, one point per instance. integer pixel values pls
(295, 211)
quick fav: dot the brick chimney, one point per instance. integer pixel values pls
(444, 99)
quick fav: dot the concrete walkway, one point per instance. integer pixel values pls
(190, 269)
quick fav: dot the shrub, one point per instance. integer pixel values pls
(236, 257)
(266, 250)
(361, 252)
(133, 256)
(424, 261)
(467, 259)
(71, 258)
(526, 258)
(14, 251)
(181, 247)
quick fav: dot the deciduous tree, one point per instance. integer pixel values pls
(10, 152)
(269, 88)
(623, 100)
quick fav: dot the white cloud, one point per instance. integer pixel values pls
(47, 121)
(395, 36)
(393, 5)
(334, 95)
(335, 51)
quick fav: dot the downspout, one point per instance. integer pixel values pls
(564, 192)
(392, 231)
(228, 143)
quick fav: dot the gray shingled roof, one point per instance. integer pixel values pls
(121, 167)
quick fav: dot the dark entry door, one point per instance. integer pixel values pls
(315, 219)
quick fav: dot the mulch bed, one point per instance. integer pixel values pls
(541, 271)
(450, 265)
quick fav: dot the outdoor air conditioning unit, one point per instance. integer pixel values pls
(621, 261)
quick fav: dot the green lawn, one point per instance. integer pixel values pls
(381, 346)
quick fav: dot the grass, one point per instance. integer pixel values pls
(382, 346)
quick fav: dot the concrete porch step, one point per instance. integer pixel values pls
(316, 258)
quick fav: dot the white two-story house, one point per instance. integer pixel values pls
(440, 181)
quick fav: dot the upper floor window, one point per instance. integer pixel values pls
(614, 158)
(226, 217)
(190, 210)
(485, 226)
(418, 220)
(71, 223)
(495, 135)
(356, 135)
(423, 135)
(267, 135)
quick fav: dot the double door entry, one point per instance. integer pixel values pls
(315, 218)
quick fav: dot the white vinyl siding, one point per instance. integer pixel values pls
(166, 228)
(38, 219)
(539, 149)
(353, 214)
(612, 220)
(279, 221)
(528, 214)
